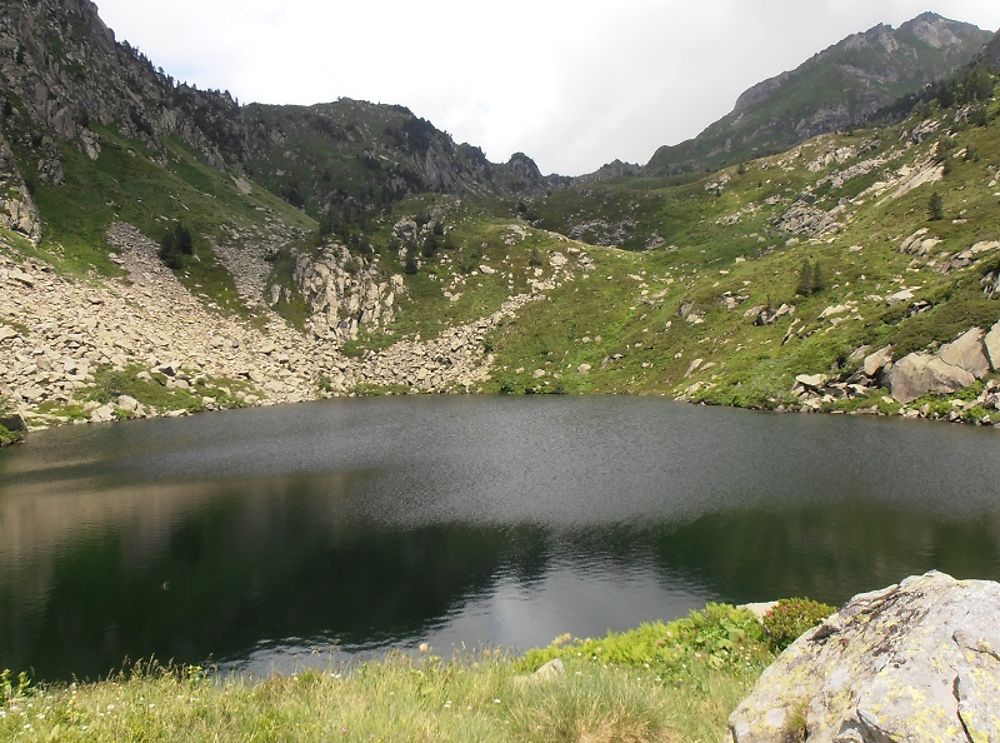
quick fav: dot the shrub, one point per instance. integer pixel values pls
(935, 207)
(410, 264)
(810, 279)
(789, 618)
(468, 262)
(979, 116)
(717, 637)
(174, 245)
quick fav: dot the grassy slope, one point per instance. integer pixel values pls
(629, 306)
(127, 183)
(476, 236)
(675, 682)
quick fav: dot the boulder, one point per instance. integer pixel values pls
(551, 671)
(693, 367)
(967, 353)
(875, 362)
(899, 297)
(918, 661)
(835, 309)
(103, 414)
(13, 423)
(991, 344)
(813, 382)
(920, 373)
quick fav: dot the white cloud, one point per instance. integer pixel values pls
(573, 84)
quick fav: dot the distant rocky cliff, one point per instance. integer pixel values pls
(65, 76)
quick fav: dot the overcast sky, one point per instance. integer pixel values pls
(573, 83)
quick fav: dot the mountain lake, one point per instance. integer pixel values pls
(275, 539)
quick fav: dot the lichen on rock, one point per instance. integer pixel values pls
(918, 661)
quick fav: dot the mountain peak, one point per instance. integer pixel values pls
(838, 88)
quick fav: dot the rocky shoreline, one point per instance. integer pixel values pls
(58, 335)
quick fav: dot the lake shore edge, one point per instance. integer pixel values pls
(676, 680)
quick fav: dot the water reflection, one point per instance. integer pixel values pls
(264, 537)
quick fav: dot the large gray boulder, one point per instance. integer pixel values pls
(992, 345)
(918, 661)
(876, 362)
(966, 352)
(919, 373)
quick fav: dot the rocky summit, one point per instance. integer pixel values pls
(166, 250)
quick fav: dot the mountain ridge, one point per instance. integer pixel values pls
(61, 65)
(834, 89)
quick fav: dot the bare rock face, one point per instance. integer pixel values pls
(17, 209)
(918, 661)
(344, 292)
(966, 352)
(874, 363)
(920, 373)
(991, 343)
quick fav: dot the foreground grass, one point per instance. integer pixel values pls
(416, 700)
(661, 682)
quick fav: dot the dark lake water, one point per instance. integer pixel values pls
(272, 539)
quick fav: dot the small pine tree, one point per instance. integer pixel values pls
(182, 239)
(936, 207)
(430, 246)
(805, 286)
(410, 264)
(818, 280)
(979, 116)
(946, 95)
(168, 253)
